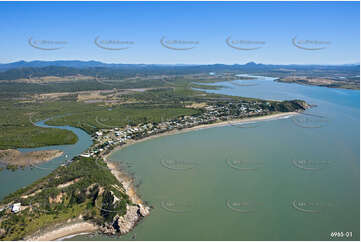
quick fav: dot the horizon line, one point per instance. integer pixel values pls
(112, 63)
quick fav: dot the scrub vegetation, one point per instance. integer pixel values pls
(83, 188)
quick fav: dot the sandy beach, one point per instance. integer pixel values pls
(64, 231)
(81, 227)
(205, 126)
(127, 181)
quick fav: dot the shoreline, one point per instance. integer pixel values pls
(83, 227)
(65, 231)
(316, 84)
(14, 157)
(124, 178)
(199, 127)
(126, 181)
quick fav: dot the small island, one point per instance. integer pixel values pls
(14, 158)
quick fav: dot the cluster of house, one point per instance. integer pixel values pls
(105, 139)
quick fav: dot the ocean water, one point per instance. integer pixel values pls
(294, 178)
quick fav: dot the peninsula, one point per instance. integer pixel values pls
(89, 193)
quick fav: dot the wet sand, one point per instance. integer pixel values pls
(64, 231)
(15, 157)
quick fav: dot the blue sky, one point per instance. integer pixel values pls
(273, 24)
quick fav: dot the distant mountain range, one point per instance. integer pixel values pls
(70, 63)
(23, 69)
(93, 64)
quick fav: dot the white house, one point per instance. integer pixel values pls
(16, 207)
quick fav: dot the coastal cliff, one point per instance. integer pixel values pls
(85, 190)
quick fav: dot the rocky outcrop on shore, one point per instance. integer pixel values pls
(124, 224)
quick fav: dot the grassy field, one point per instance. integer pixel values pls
(118, 108)
(86, 187)
(120, 117)
(18, 131)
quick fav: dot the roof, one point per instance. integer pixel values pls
(16, 207)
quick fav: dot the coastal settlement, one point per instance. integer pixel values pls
(88, 189)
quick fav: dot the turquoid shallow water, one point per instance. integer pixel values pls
(294, 178)
(13, 180)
